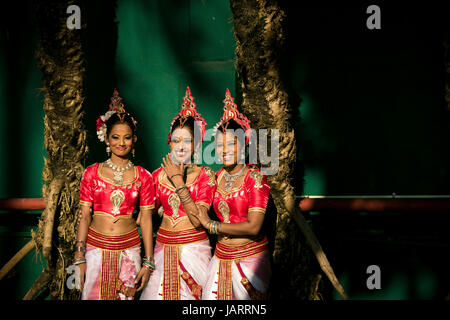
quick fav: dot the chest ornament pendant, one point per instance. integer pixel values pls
(174, 202)
(224, 211)
(117, 197)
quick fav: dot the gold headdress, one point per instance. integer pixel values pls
(116, 106)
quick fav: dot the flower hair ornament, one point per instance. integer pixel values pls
(116, 106)
(188, 109)
(230, 111)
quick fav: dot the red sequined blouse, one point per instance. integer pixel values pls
(201, 189)
(119, 201)
(253, 194)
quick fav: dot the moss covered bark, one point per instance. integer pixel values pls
(60, 59)
(268, 103)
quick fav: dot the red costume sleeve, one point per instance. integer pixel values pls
(258, 191)
(147, 196)
(155, 176)
(86, 191)
(206, 188)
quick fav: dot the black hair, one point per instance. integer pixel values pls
(233, 125)
(189, 123)
(117, 118)
(230, 125)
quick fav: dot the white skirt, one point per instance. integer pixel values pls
(190, 271)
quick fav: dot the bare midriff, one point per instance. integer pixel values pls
(237, 241)
(106, 225)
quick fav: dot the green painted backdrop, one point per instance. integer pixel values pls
(374, 120)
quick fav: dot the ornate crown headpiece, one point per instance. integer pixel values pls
(188, 109)
(116, 106)
(230, 111)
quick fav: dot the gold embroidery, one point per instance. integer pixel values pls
(174, 202)
(101, 213)
(257, 176)
(203, 204)
(257, 210)
(225, 282)
(109, 274)
(174, 221)
(211, 175)
(117, 197)
(85, 203)
(150, 206)
(224, 211)
(171, 279)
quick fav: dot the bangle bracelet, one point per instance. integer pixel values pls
(217, 227)
(181, 187)
(148, 263)
(149, 266)
(185, 198)
(178, 190)
(213, 227)
(149, 259)
(176, 174)
(79, 261)
(80, 249)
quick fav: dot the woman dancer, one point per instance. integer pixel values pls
(183, 189)
(240, 268)
(108, 250)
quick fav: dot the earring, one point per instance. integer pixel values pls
(133, 153)
(108, 150)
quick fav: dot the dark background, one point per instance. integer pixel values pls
(374, 120)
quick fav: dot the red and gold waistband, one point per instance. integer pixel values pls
(227, 252)
(187, 236)
(113, 242)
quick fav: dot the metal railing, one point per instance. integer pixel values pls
(373, 203)
(377, 203)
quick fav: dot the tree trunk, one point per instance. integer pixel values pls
(60, 59)
(260, 43)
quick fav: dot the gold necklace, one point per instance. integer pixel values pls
(118, 170)
(231, 178)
